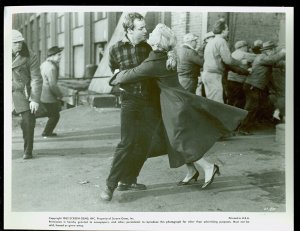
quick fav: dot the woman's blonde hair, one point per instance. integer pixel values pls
(167, 42)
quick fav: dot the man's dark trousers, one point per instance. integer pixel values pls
(131, 152)
(27, 125)
(53, 110)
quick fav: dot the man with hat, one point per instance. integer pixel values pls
(189, 63)
(51, 93)
(257, 45)
(255, 84)
(26, 88)
(235, 81)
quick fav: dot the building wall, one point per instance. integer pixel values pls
(251, 26)
(80, 34)
(81, 41)
(189, 22)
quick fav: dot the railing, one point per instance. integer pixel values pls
(78, 85)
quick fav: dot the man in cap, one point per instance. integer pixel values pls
(26, 88)
(235, 92)
(51, 93)
(189, 63)
(257, 45)
(256, 83)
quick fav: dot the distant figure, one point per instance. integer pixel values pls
(101, 52)
(257, 45)
(215, 55)
(256, 83)
(235, 93)
(189, 63)
(51, 92)
(26, 88)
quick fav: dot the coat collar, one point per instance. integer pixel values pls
(126, 40)
(185, 45)
(20, 60)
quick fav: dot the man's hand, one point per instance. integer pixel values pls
(244, 61)
(33, 107)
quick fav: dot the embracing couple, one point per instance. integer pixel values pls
(158, 116)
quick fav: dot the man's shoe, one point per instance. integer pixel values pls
(49, 135)
(27, 156)
(107, 194)
(134, 186)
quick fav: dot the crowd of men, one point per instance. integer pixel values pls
(252, 77)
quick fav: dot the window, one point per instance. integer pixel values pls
(60, 24)
(32, 34)
(78, 61)
(78, 19)
(39, 37)
(99, 15)
(48, 25)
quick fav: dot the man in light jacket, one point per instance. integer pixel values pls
(26, 88)
(51, 93)
(216, 56)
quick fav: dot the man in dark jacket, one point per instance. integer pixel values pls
(26, 88)
(256, 83)
(189, 63)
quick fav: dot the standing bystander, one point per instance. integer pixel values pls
(26, 88)
(189, 63)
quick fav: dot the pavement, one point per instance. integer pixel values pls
(68, 172)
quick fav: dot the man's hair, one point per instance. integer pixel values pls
(219, 26)
(129, 19)
(24, 51)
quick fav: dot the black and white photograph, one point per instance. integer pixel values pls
(148, 118)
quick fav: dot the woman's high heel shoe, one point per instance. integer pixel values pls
(216, 171)
(195, 177)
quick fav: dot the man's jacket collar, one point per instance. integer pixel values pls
(188, 46)
(126, 40)
(19, 60)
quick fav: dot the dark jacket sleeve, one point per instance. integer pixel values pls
(272, 59)
(36, 79)
(144, 71)
(195, 58)
(237, 69)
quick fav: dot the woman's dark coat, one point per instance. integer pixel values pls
(192, 123)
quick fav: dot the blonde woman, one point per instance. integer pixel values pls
(192, 123)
